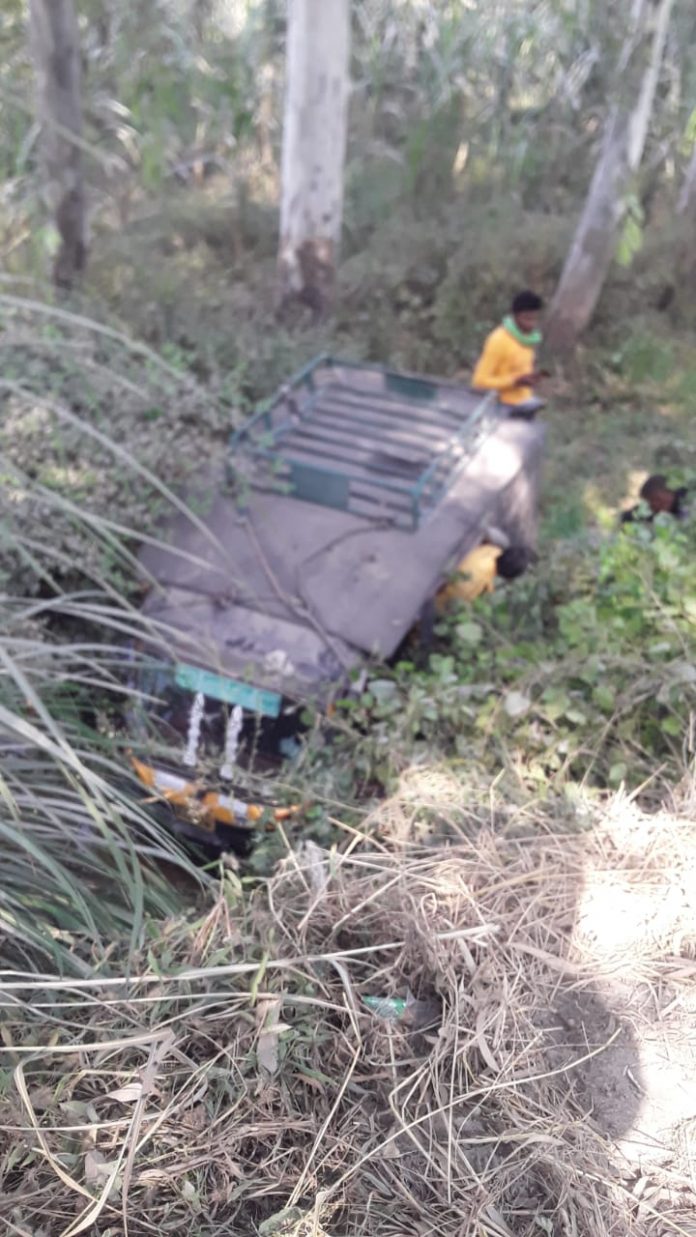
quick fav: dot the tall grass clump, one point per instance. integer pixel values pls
(82, 855)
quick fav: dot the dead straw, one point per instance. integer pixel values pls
(537, 970)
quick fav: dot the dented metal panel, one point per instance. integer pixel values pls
(289, 596)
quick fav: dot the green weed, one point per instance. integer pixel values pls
(581, 673)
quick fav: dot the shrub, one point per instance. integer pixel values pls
(584, 673)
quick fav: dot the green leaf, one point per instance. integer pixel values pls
(49, 239)
(604, 698)
(631, 239)
(684, 672)
(555, 703)
(516, 704)
(383, 690)
(617, 773)
(469, 633)
(282, 1221)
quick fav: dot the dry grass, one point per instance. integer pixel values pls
(240, 1076)
(94, 426)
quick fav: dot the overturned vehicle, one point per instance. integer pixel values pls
(344, 503)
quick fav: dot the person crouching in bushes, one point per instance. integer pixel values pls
(657, 498)
(475, 576)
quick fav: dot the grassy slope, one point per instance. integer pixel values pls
(239, 1099)
(194, 278)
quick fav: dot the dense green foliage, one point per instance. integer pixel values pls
(582, 672)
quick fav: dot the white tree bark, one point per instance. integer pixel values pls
(56, 52)
(314, 146)
(685, 271)
(594, 244)
(686, 206)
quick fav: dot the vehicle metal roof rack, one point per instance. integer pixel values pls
(364, 439)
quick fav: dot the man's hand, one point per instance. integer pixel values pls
(533, 379)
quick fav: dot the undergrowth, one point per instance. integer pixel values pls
(220, 1068)
(582, 673)
(542, 706)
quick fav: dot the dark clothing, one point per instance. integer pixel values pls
(527, 410)
(681, 498)
(426, 626)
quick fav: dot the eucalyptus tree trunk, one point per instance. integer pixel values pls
(686, 245)
(56, 52)
(314, 146)
(686, 206)
(594, 244)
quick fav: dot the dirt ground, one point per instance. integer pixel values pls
(617, 1034)
(636, 920)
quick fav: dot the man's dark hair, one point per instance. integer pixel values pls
(527, 302)
(513, 562)
(656, 484)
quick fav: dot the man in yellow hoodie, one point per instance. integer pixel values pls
(508, 361)
(474, 576)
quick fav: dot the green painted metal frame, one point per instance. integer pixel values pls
(228, 690)
(329, 486)
(156, 677)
